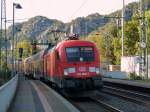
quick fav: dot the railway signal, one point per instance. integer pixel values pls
(20, 52)
(34, 48)
(34, 43)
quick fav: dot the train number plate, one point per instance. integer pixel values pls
(82, 69)
(82, 74)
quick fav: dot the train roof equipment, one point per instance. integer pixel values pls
(73, 37)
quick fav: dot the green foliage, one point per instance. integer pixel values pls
(5, 75)
(99, 41)
(108, 43)
(27, 48)
(133, 76)
(117, 50)
(131, 39)
(148, 29)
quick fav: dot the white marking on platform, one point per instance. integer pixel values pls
(65, 102)
(43, 100)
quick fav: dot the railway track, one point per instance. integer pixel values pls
(135, 88)
(105, 105)
(135, 97)
(92, 104)
(106, 101)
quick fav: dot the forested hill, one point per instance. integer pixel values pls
(40, 27)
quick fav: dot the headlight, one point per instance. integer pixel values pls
(92, 69)
(65, 71)
(97, 70)
(71, 70)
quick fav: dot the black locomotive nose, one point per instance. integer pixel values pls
(82, 84)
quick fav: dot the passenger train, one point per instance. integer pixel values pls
(72, 65)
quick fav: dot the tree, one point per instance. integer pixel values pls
(27, 48)
(99, 41)
(104, 41)
(132, 39)
(117, 50)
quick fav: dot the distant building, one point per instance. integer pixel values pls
(131, 64)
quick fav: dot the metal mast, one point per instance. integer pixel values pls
(3, 34)
(143, 39)
(123, 10)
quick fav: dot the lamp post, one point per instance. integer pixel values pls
(15, 6)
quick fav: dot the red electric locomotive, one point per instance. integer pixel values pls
(71, 65)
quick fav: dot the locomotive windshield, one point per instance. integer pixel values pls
(84, 54)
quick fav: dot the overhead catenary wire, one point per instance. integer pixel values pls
(22, 19)
(77, 10)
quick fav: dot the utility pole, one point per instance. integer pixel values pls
(3, 34)
(123, 10)
(143, 40)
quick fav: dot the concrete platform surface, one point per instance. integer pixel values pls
(34, 96)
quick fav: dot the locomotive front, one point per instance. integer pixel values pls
(80, 65)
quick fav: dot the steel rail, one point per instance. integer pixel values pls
(139, 101)
(105, 105)
(127, 91)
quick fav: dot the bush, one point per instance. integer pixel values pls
(134, 76)
(5, 75)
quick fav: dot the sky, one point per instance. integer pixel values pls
(64, 10)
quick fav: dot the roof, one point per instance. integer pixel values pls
(74, 42)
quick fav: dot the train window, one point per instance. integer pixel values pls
(73, 54)
(85, 54)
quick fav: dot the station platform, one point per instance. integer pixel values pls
(128, 82)
(34, 96)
